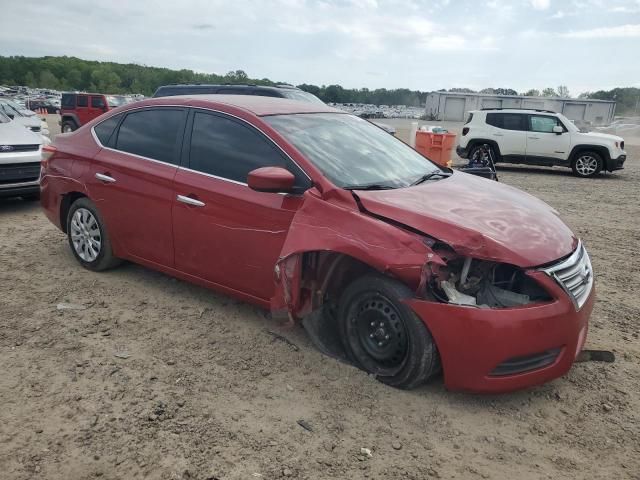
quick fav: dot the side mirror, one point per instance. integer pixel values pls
(558, 130)
(271, 179)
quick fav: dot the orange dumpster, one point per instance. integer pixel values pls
(436, 146)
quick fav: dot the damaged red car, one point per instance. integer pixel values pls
(402, 267)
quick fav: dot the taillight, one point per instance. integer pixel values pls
(465, 130)
(47, 153)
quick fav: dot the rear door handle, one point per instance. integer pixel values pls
(190, 201)
(105, 178)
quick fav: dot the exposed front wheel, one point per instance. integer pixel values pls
(383, 336)
(88, 236)
(587, 164)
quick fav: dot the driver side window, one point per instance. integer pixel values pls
(227, 148)
(544, 124)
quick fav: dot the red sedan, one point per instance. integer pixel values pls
(323, 217)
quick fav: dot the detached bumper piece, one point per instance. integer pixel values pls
(527, 363)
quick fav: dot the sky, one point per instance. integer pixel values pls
(422, 45)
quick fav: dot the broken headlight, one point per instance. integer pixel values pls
(467, 281)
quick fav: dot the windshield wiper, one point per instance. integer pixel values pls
(429, 176)
(370, 186)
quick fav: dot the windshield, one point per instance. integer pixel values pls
(15, 105)
(4, 118)
(302, 96)
(116, 100)
(351, 151)
(9, 110)
(568, 123)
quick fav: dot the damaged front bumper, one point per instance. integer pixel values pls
(500, 350)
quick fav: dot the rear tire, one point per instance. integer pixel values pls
(383, 336)
(479, 155)
(587, 164)
(68, 126)
(88, 237)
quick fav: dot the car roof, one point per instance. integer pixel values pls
(260, 106)
(515, 110)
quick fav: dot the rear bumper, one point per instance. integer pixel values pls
(615, 163)
(461, 152)
(481, 348)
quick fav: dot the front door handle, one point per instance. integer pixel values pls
(190, 201)
(534, 138)
(498, 134)
(105, 178)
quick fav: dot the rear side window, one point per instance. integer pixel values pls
(471, 118)
(104, 130)
(228, 149)
(68, 101)
(152, 133)
(545, 124)
(82, 101)
(507, 121)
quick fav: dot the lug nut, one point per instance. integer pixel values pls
(371, 335)
(382, 324)
(379, 344)
(373, 324)
(386, 337)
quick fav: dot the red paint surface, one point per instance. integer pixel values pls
(235, 241)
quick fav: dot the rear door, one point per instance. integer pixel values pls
(131, 180)
(543, 143)
(224, 232)
(82, 109)
(509, 130)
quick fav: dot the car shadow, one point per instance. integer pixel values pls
(552, 171)
(18, 205)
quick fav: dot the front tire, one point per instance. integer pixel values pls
(88, 237)
(383, 336)
(587, 164)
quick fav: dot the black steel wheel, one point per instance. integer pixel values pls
(383, 336)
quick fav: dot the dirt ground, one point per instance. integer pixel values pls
(156, 378)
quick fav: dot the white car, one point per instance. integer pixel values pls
(20, 155)
(32, 122)
(538, 137)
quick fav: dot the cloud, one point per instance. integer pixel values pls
(621, 31)
(541, 4)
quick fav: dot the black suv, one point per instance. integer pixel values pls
(281, 91)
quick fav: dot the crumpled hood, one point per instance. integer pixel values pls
(478, 217)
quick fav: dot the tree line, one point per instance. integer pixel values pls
(71, 73)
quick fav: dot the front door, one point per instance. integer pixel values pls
(131, 181)
(542, 142)
(224, 232)
(97, 106)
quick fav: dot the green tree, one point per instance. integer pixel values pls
(534, 92)
(30, 79)
(563, 91)
(549, 92)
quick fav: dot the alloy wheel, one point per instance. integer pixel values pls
(586, 165)
(85, 235)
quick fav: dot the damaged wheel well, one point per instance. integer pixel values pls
(65, 205)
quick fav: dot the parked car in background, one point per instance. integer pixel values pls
(36, 104)
(539, 137)
(20, 154)
(278, 91)
(318, 215)
(32, 122)
(76, 109)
